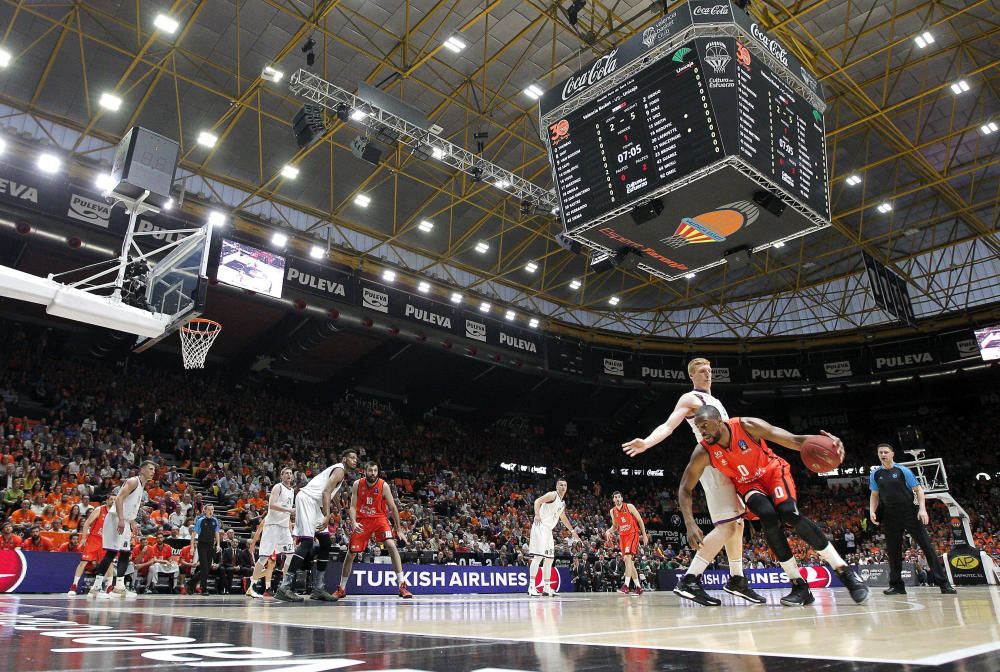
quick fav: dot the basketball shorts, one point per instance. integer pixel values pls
(308, 516)
(276, 539)
(93, 550)
(628, 543)
(541, 542)
(776, 484)
(377, 527)
(724, 504)
(112, 540)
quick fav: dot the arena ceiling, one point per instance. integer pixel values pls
(892, 119)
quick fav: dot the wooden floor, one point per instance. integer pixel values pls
(590, 631)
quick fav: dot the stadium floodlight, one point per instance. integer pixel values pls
(884, 207)
(510, 315)
(216, 218)
(424, 287)
(534, 92)
(271, 74)
(316, 252)
(5, 58)
(438, 153)
(110, 101)
(575, 284)
(531, 267)
(988, 127)
(206, 139)
(482, 247)
(278, 239)
(362, 200)
(289, 172)
(426, 225)
(49, 163)
(389, 275)
(358, 115)
(961, 86)
(780, 244)
(104, 182)
(690, 276)
(484, 307)
(924, 39)
(533, 323)
(456, 297)
(166, 24)
(501, 184)
(613, 300)
(853, 180)
(169, 204)
(455, 44)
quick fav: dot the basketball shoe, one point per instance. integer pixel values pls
(800, 596)
(624, 589)
(859, 591)
(322, 595)
(253, 593)
(340, 592)
(740, 587)
(287, 595)
(404, 591)
(689, 587)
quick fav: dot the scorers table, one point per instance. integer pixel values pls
(699, 139)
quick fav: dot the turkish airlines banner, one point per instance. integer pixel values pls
(318, 280)
(36, 572)
(376, 579)
(714, 579)
(902, 355)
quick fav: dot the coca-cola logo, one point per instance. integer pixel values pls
(778, 51)
(715, 10)
(12, 570)
(601, 68)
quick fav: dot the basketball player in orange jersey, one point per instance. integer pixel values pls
(626, 521)
(737, 448)
(725, 508)
(91, 541)
(372, 504)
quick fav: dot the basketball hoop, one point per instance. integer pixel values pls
(197, 337)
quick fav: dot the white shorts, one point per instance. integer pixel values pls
(112, 540)
(308, 514)
(541, 542)
(275, 539)
(720, 493)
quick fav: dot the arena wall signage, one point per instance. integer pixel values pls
(877, 575)
(714, 579)
(965, 563)
(774, 369)
(372, 579)
(902, 355)
(958, 345)
(318, 280)
(36, 572)
(24, 189)
(663, 369)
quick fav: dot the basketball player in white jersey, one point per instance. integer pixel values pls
(312, 521)
(276, 536)
(119, 526)
(724, 506)
(550, 508)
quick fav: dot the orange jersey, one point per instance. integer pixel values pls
(626, 521)
(746, 459)
(97, 529)
(371, 501)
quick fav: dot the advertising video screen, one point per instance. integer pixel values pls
(989, 342)
(247, 267)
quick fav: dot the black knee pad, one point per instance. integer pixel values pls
(325, 544)
(305, 548)
(123, 558)
(788, 510)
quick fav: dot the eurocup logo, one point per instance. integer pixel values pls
(816, 577)
(12, 570)
(554, 580)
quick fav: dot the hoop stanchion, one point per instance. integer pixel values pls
(197, 337)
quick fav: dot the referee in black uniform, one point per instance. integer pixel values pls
(209, 541)
(894, 489)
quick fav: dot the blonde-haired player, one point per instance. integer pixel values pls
(724, 506)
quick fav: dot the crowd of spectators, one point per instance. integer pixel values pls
(73, 429)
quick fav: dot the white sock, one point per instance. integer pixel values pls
(791, 569)
(831, 556)
(536, 562)
(343, 581)
(120, 582)
(628, 580)
(399, 579)
(698, 566)
(736, 567)
(547, 574)
(98, 582)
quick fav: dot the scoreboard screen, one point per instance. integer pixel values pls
(647, 131)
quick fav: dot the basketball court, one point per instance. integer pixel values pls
(586, 631)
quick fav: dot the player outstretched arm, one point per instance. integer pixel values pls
(331, 484)
(761, 429)
(686, 405)
(274, 503)
(685, 494)
(569, 526)
(390, 502)
(638, 519)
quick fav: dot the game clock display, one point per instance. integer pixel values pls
(647, 131)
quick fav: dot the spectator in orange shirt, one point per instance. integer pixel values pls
(36, 542)
(73, 521)
(24, 516)
(8, 540)
(71, 546)
(49, 514)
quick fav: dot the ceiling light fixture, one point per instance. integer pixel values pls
(531, 267)
(278, 239)
(455, 44)
(613, 300)
(484, 307)
(49, 163)
(534, 92)
(456, 297)
(533, 323)
(510, 315)
(5, 58)
(358, 115)
(424, 287)
(216, 218)
(104, 183)
(316, 252)
(575, 284)
(110, 101)
(271, 74)
(924, 39)
(389, 275)
(779, 244)
(207, 139)
(884, 207)
(853, 180)
(289, 172)
(426, 225)
(362, 200)
(988, 127)
(961, 86)
(690, 276)
(482, 246)
(438, 153)
(166, 24)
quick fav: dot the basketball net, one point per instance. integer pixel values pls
(197, 337)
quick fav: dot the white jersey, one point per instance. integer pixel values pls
(286, 496)
(551, 511)
(314, 488)
(130, 507)
(706, 400)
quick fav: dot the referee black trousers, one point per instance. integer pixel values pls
(895, 522)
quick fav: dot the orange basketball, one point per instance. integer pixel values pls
(819, 454)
